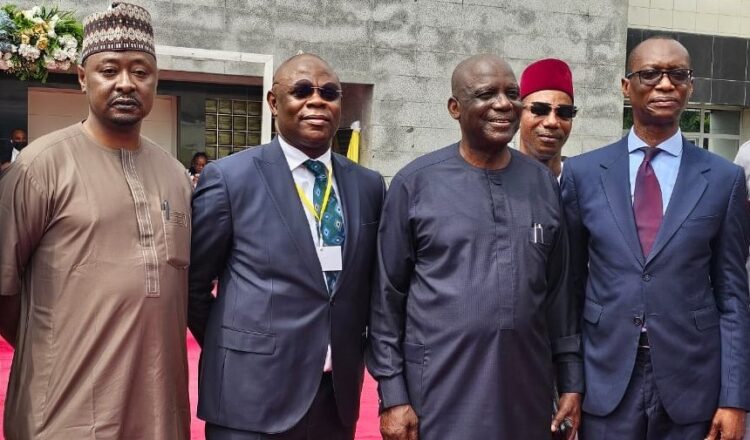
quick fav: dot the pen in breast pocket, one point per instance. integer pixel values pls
(165, 209)
(538, 233)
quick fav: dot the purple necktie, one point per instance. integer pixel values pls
(647, 204)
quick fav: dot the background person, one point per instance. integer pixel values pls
(548, 111)
(199, 161)
(18, 139)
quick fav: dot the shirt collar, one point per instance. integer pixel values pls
(673, 145)
(295, 158)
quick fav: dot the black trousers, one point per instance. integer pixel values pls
(640, 415)
(321, 422)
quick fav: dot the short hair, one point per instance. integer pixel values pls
(199, 154)
(294, 58)
(629, 62)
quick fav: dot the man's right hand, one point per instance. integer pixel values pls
(399, 423)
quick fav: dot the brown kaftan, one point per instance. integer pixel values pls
(96, 241)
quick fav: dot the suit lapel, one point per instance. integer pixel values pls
(348, 188)
(688, 189)
(616, 184)
(278, 179)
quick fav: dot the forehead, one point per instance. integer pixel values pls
(554, 97)
(487, 73)
(660, 53)
(121, 57)
(309, 68)
(18, 134)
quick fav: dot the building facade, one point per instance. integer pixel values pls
(717, 35)
(395, 59)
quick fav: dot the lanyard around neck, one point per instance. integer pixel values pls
(309, 205)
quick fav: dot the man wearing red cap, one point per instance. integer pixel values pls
(548, 111)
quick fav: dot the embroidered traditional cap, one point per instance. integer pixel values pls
(122, 27)
(547, 74)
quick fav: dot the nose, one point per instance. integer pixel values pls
(124, 82)
(315, 100)
(551, 120)
(502, 102)
(664, 82)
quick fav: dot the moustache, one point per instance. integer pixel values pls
(124, 99)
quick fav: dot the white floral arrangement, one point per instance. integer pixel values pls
(37, 40)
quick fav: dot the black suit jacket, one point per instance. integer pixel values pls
(264, 337)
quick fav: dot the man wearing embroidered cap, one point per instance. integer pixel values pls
(95, 227)
(548, 111)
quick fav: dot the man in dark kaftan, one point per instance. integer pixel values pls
(471, 322)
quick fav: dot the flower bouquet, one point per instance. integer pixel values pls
(37, 40)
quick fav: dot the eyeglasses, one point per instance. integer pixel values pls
(652, 77)
(565, 112)
(327, 93)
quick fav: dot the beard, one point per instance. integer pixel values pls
(126, 120)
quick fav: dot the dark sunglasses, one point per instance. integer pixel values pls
(327, 92)
(563, 111)
(652, 77)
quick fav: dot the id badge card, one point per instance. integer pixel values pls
(330, 258)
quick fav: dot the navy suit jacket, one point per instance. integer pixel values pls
(691, 290)
(264, 337)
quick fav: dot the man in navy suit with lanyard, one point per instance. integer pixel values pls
(289, 229)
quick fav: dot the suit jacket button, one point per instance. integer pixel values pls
(637, 321)
(332, 302)
(646, 277)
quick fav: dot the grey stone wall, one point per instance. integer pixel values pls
(408, 49)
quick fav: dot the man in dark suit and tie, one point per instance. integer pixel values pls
(289, 229)
(659, 235)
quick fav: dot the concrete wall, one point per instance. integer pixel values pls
(408, 49)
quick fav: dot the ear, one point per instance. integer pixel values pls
(454, 108)
(271, 100)
(625, 85)
(81, 77)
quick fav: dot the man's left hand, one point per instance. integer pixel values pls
(569, 409)
(728, 424)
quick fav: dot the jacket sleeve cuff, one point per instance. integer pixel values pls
(392, 392)
(734, 398)
(566, 344)
(570, 376)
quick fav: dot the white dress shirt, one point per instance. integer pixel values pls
(14, 155)
(306, 181)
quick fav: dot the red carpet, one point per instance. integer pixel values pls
(367, 428)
